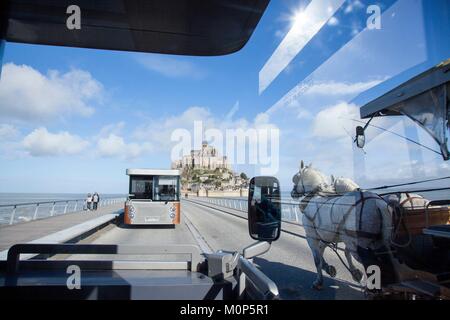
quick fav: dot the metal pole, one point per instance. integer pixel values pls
(241, 284)
(75, 207)
(13, 213)
(36, 211)
(65, 207)
(52, 212)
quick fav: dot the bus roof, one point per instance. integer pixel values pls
(152, 172)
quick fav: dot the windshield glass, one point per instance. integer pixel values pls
(166, 188)
(345, 102)
(141, 187)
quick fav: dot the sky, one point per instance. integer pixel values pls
(72, 120)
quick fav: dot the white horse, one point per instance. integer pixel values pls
(362, 220)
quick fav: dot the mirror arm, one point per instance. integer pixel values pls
(256, 249)
(368, 123)
(234, 262)
(365, 126)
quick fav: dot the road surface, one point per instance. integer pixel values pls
(289, 262)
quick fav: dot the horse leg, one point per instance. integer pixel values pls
(331, 270)
(314, 245)
(356, 274)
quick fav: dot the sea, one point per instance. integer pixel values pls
(27, 212)
(18, 198)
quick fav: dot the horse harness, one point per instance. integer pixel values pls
(359, 233)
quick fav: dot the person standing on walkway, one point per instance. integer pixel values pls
(89, 202)
(95, 200)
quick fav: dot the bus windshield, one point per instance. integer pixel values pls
(141, 187)
(155, 188)
(166, 188)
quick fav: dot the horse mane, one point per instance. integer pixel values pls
(344, 185)
(314, 180)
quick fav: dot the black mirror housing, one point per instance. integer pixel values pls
(264, 209)
(360, 137)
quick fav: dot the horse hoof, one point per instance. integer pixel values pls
(317, 286)
(357, 275)
(331, 270)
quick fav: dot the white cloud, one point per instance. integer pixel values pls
(303, 114)
(333, 122)
(340, 88)
(333, 21)
(8, 132)
(40, 142)
(115, 146)
(114, 128)
(157, 132)
(27, 94)
(300, 96)
(171, 67)
(352, 5)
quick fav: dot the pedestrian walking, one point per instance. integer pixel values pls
(95, 200)
(89, 202)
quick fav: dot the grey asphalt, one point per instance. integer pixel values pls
(289, 262)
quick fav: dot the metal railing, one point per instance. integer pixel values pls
(290, 210)
(22, 212)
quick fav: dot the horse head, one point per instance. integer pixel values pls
(307, 180)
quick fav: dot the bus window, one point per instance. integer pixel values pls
(166, 188)
(141, 187)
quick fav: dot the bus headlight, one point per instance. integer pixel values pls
(172, 212)
(131, 211)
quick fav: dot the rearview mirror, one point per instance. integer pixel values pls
(360, 137)
(264, 209)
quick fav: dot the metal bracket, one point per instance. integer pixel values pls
(256, 249)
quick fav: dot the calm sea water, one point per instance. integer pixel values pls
(17, 198)
(26, 213)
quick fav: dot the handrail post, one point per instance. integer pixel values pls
(65, 207)
(75, 207)
(52, 212)
(13, 213)
(36, 211)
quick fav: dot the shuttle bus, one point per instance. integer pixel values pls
(154, 197)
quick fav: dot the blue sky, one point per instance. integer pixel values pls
(72, 120)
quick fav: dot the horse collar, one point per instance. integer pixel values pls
(305, 201)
